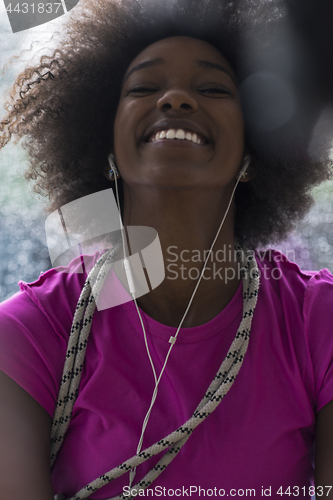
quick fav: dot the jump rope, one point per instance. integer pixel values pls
(76, 352)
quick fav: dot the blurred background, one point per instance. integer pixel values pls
(23, 251)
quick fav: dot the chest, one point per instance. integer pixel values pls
(260, 435)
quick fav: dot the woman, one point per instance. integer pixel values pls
(173, 121)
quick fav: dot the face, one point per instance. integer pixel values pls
(182, 86)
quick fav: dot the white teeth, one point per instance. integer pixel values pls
(171, 134)
(179, 134)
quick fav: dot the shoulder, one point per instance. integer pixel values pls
(307, 295)
(318, 328)
(34, 329)
(311, 291)
(301, 302)
(279, 274)
(54, 294)
(41, 304)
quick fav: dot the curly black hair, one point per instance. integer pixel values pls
(65, 105)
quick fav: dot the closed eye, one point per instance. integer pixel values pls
(215, 90)
(140, 89)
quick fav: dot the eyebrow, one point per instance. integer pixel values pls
(208, 64)
(150, 63)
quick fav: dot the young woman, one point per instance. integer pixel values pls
(147, 101)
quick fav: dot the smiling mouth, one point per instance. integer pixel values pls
(177, 137)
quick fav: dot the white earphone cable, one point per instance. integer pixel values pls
(172, 340)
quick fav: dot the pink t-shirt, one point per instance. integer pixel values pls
(261, 435)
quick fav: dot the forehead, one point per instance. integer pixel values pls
(181, 48)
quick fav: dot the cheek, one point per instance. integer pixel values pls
(124, 130)
(236, 117)
(125, 141)
(234, 125)
(118, 129)
(230, 143)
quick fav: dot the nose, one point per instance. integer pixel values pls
(177, 100)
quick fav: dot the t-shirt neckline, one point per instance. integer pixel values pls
(213, 327)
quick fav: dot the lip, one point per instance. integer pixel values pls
(174, 143)
(176, 124)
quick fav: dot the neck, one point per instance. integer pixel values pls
(187, 222)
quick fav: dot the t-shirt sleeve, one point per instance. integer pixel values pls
(31, 351)
(318, 324)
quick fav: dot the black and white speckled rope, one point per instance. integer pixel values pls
(214, 395)
(76, 349)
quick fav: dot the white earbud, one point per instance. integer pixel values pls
(247, 161)
(113, 172)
